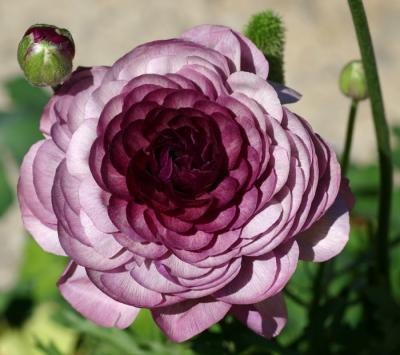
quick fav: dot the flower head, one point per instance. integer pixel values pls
(175, 180)
(352, 81)
(45, 54)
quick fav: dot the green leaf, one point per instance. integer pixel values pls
(123, 342)
(364, 182)
(6, 193)
(19, 126)
(47, 349)
(22, 94)
(145, 327)
(41, 271)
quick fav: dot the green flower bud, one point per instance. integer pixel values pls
(45, 54)
(352, 81)
(267, 31)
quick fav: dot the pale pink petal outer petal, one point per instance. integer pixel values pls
(87, 299)
(187, 319)
(239, 49)
(46, 237)
(39, 221)
(257, 89)
(254, 280)
(266, 318)
(162, 57)
(328, 236)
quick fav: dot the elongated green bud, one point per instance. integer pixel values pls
(352, 81)
(45, 54)
(267, 31)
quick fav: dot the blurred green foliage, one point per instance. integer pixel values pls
(352, 316)
(6, 193)
(19, 126)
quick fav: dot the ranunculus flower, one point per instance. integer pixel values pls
(175, 180)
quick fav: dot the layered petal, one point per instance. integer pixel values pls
(175, 180)
(87, 299)
(328, 236)
(187, 319)
(266, 318)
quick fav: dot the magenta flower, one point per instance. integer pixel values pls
(174, 180)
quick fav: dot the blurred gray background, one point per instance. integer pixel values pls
(320, 40)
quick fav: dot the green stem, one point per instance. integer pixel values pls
(349, 137)
(382, 137)
(315, 321)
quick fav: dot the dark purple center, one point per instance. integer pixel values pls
(183, 161)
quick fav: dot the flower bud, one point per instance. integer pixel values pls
(267, 31)
(352, 81)
(45, 54)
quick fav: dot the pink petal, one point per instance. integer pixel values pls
(146, 250)
(88, 256)
(45, 236)
(76, 111)
(287, 256)
(247, 206)
(195, 241)
(27, 191)
(263, 220)
(149, 277)
(79, 148)
(122, 287)
(243, 54)
(328, 236)
(80, 81)
(117, 210)
(40, 222)
(257, 89)
(94, 201)
(101, 96)
(254, 280)
(184, 320)
(144, 59)
(221, 222)
(87, 299)
(60, 135)
(266, 318)
(210, 82)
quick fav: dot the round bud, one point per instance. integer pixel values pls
(45, 54)
(352, 81)
(267, 31)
